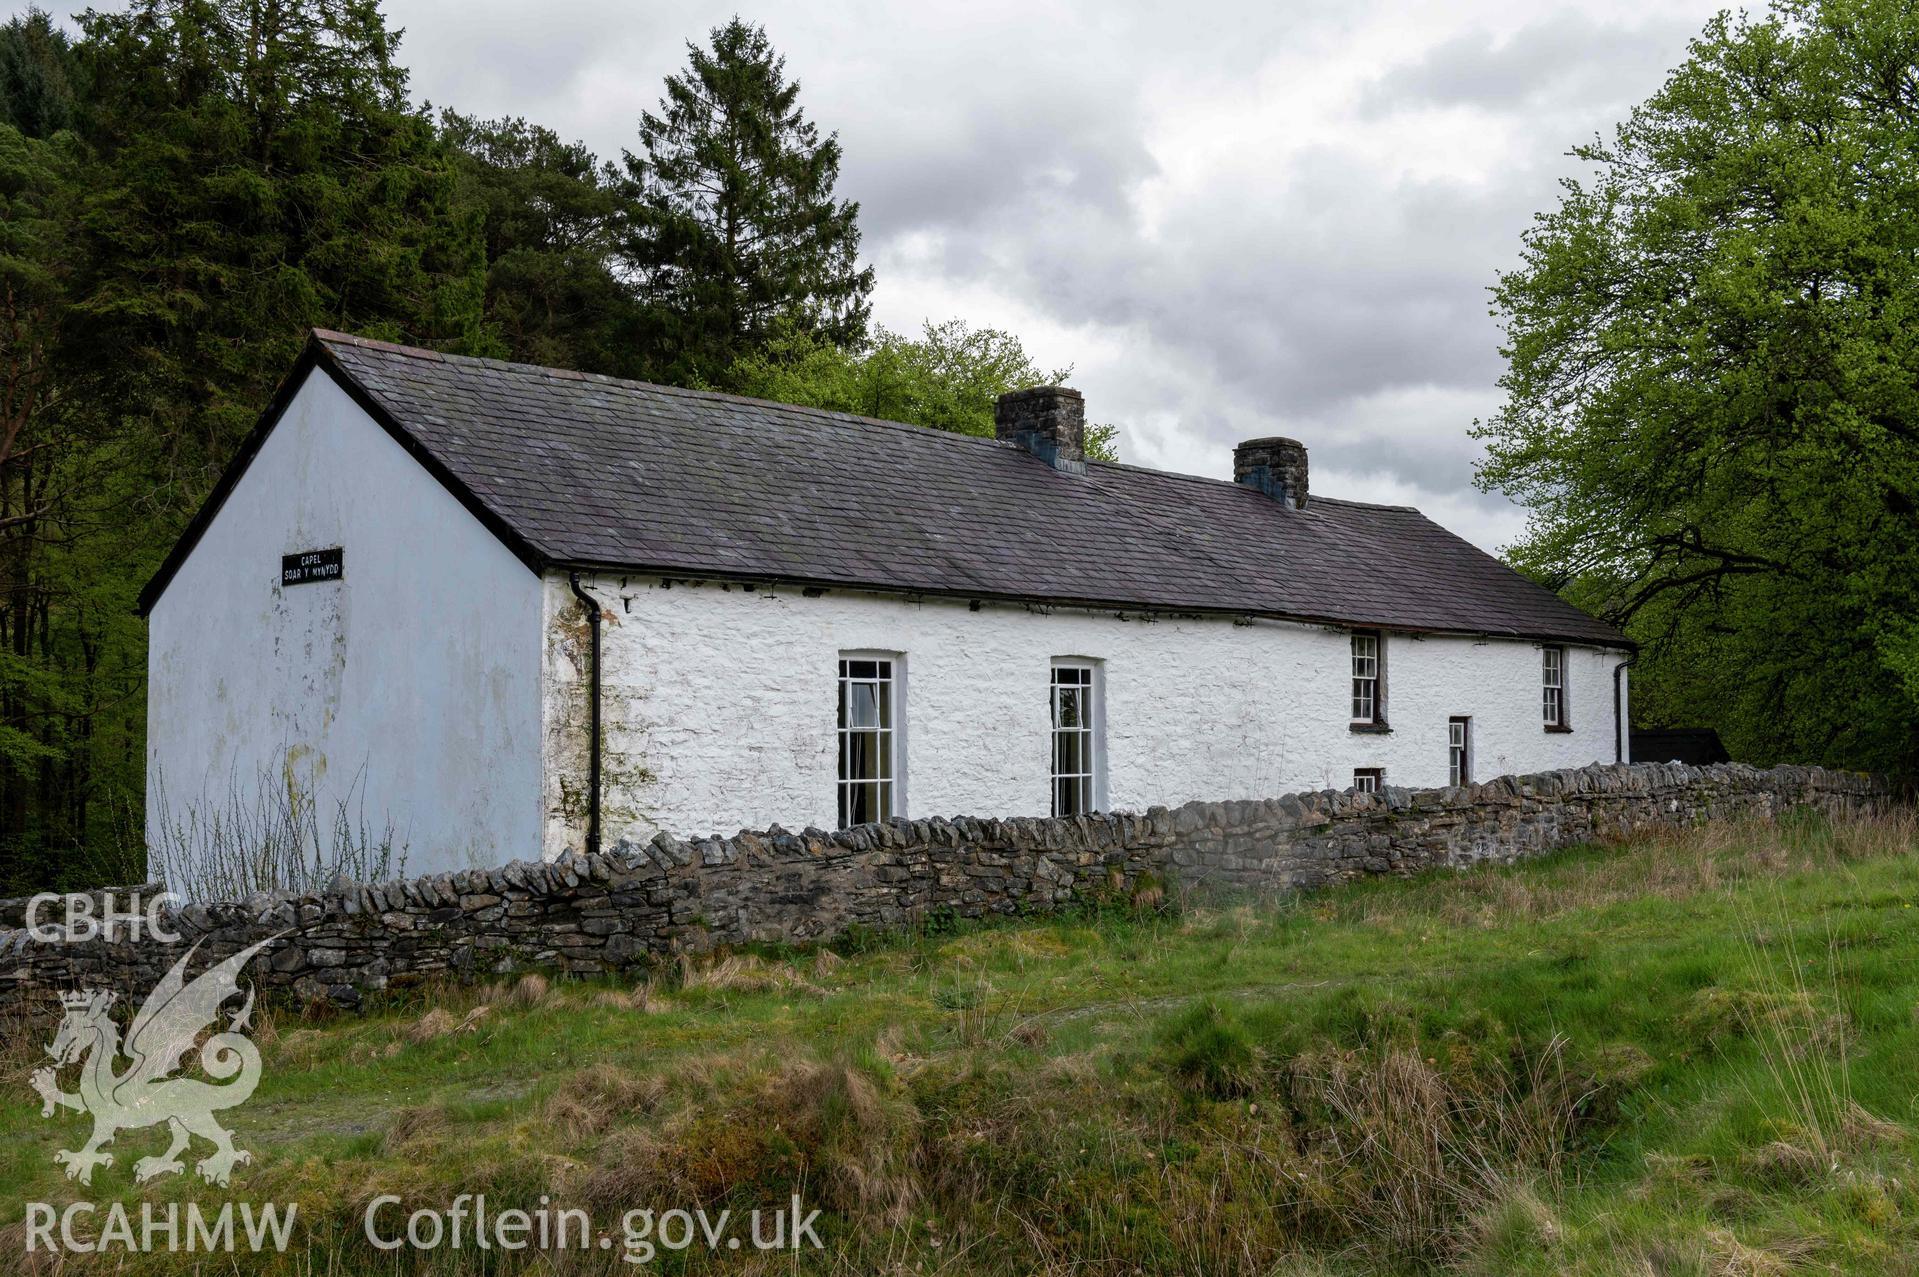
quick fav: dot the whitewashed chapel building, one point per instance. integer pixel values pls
(395, 594)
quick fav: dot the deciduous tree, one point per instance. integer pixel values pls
(1712, 397)
(947, 378)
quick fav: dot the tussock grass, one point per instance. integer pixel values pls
(413, 1125)
(597, 1097)
(529, 991)
(1433, 1144)
(1687, 1055)
(741, 973)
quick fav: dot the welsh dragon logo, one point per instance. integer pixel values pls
(167, 1026)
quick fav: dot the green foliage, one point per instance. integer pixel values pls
(948, 378)
(735, 232)
(551, 216)
(62, 627)
(264, 173)
(1712, 400)
(37, 72)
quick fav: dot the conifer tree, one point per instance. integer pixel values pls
(555, 292)
(266, 174)
(37, 93)
(735, 231)
(235, 172)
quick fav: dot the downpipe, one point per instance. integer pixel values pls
(592, 606)
(1619, 728)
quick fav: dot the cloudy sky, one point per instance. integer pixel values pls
(1232, 219)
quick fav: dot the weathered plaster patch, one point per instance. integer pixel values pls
(409, 689)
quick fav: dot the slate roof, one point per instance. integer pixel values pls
(578, 470)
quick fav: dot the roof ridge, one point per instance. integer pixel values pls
(1189, 476)
(375, 343)
(831, 414)
(720, 396)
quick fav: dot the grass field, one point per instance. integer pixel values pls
(1691, 1055)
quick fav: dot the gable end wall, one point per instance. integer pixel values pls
(408, 691)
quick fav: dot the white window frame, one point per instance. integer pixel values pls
(1368, 654)
(1369, 780)
(1090, 781)
(1552, 680)
(1459, 750)
(889, 789)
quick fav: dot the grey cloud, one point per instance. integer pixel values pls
(501, 57)
(1564, 59)
(1337, 285)
(1096, 175)
(959, 169)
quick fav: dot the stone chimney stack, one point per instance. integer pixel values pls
(1275, 466)
(1047, 421)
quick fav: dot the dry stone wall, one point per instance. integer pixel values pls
(636, 903)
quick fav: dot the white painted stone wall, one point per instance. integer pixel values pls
(720, 709)
(410, 689)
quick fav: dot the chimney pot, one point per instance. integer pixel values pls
(1047, 421)
(1274, 466)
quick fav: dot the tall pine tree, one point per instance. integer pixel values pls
(735, 231)
(37, 93)
(266, 173)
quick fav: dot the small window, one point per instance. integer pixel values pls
(869, 712)
(1553, 677)
(1075, 739)
(1369, 702)
(1367, 780)
(1459, 750)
